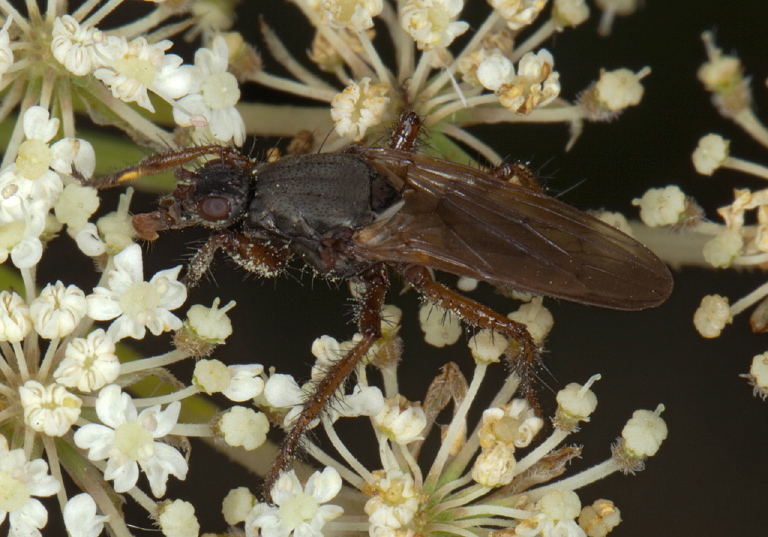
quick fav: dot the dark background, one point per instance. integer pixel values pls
(711, 475)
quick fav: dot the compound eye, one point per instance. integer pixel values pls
(213, 208)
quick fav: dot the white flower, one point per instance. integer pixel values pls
(131, 68)
(210, 18)
(19, 481)
(282, 391)
(431, 22)
(559, 508)
(560, 504)
(518, 13)
(537, 319)
(724, 76)
(401, 421)
(127, 440)
(49, 409)
(487, 346)
(58, 310)
(89, 242)
(211, 376)
(74, 45)
(115, 228)
(357, 15)
(515, 424)
(177, 519)
(359, 107)
(662, 206)
(34, 155)
(80, 517)
(600, 518)
(89, 363)
(31, 184)
(710, 154)
(211, 323)
(241, 426)
(536, 84)
(137, 304)
(617, 220)
(503, 430)
(570, 12)
(327, 351)
(576, 402)
(644, 433)
(76, 204)
(712, 316)
(69, 154)
(621, 88)
(394, 501)
(213, 95)
(391, 316)
(723, 249)
(494, 71)
(245, 382)
(440, 326)
(363, 401)
(237, 382)
(15, 320)
(37, 166)
(20, 238)
(298, 510)
(466, 285)
(237, 504)
(495, 467)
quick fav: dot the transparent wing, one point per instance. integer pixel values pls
(465, 222)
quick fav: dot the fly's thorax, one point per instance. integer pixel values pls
(314, 196)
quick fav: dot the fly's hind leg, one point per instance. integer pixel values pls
(523, 363)
(376, 284)
(519, 174)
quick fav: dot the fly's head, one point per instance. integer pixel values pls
(214, 196)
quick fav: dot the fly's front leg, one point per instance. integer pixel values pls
(267, 258)
(523, 364)
(155, 164)
(376, 284)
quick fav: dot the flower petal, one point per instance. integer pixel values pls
(114, 407)
(167, 460)
(97, 439)
(80, 517)
(39, 125)
(324, 486)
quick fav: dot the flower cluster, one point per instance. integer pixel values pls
(57, 59)
(77, 386)
(498, 478)
(742, 239)
(63, 390)
(492, 78)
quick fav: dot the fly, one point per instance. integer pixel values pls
(363, 213)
